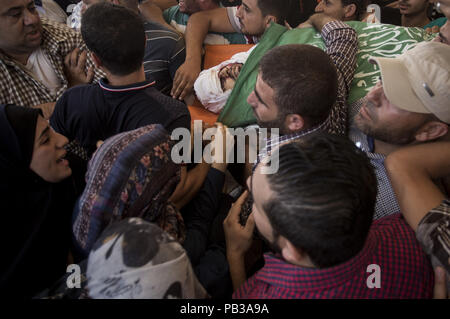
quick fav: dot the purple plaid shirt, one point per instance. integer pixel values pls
(405, 271)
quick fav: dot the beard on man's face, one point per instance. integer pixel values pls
(276, 123)
(378, 129)
(273, 246)
(387, 133)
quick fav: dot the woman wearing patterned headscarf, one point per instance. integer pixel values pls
(135, 259)
(132, 175)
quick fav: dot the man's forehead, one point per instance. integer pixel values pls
(250, 3)
(263, 91)
(9, 4)
(260, 83)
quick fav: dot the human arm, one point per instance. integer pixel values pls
(58, 120)
(341, 43)
(162, 4)
(199, 24)
(412, 170)
(190, 184)
(192, 181)
(238, 241)
(318, 21)
(440, 287)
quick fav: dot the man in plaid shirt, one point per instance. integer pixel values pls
(316, 215)
(301, 90)
(39, 59)
(409, 105)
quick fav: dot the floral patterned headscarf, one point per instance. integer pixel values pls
(130, 175)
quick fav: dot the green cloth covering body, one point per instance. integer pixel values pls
(380, 40)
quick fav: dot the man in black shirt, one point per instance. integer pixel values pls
(123, 100)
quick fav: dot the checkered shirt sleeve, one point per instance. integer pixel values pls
(341, 43)
(433, 233)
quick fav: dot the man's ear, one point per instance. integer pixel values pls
(350, 11)
(269, 19)
(292, 254)
(431, 131)
(294, 122)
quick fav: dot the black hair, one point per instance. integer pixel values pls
(301, 10)
(304, 81)
(323, 198)
(361, 7)
(116, 35)
(280, 9)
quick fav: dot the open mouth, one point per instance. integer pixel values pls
(62, 159)
(34, 34)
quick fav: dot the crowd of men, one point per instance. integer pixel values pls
(100, 92)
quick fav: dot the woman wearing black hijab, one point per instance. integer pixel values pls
(36, 202)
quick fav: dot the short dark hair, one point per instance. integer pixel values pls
(116, 35)
(280, 9)
(301, 10)
(361, 7)
(304, 81)
(324, 198)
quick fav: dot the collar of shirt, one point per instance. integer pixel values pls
(365, 143)
(277, 272)
(278, 140)
(125, 88)
(51, 39)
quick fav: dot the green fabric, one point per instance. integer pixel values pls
(374, 40)
(179, 20)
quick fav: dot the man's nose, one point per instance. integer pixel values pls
(61, 140)
(30, 18)
(251, 99)
(319, 7)
(375, 93)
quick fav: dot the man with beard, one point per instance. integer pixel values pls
(316, 213)
(39, 59)
(301, 89)
(251, 19)
(409, 105)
